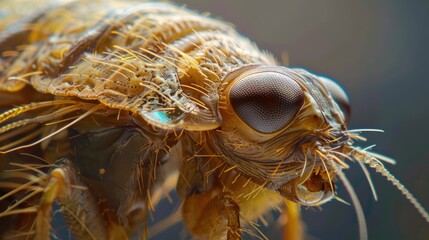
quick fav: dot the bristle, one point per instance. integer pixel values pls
(89, 112)
(363, 233)
(342, 200)
(383, 158)
(322, 156)
(13, 209)
(364, 130)
(368, 177)
(39, 119)
(25, 186)
(379, 167)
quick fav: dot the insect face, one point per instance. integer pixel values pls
(282, 128)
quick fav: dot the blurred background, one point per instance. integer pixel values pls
(379, 52)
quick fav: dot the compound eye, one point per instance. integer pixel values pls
(339, 96)
(266, 101)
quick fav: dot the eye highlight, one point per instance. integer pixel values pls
(266, 101)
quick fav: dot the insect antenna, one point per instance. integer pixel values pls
(32, 106)
(374, 162)
(38, 119)
(86, 114)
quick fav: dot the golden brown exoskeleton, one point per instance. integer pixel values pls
(107, 106)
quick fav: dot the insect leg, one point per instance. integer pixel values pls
(77, 203)
(231, 212)
(206, 216)
(293, 229)
(210, 211)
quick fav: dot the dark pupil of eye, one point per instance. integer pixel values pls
(267, 102)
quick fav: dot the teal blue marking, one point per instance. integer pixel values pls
(161, 117)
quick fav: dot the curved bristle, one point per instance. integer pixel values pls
(363, 232)
(368, 177)
(89, 112)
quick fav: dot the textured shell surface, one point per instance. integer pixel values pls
(76, 53)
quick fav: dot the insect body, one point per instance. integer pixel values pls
(108, 106)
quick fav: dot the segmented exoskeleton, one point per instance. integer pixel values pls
(109, 105)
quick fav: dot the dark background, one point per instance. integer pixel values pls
(378, 51)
